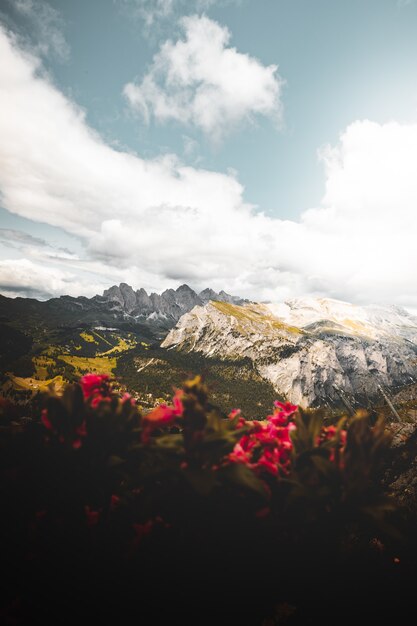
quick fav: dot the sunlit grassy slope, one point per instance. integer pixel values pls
(254, 315)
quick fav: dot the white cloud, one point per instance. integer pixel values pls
(21, 277)
(201, 81)
(159, 223)
(45, 27)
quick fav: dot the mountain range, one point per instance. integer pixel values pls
(310, 351)
(167, 307)
(118, 304)
(313, 351)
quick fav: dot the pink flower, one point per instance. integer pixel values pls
(163, 415)
(239, 455)
(267, 448)
(286, 407)
(237, 413)
(328, 433)
(98, 399)
(283, 411)
(128, 398)
(177, 402)
(269, 461)
(95, 384)
(45, 419)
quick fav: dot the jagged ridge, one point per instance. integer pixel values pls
(167, 307)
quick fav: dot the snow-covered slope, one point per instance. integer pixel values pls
(312, 350)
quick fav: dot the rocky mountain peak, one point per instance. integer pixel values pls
(226, 297)
(313, 351)
(129, 297)
(208, 294)
(143, 301)
(165, 308)
(114, 293)
(184, 289)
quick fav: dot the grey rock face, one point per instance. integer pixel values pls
(308, 360)
(186, 298)
(225, 297)
(159, 309)
(114, 293)
(129, 297)
(143, 302)
(208, 294)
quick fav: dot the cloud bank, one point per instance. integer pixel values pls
(158, 223)
(201, 81)
(45, 26)
(22, 277)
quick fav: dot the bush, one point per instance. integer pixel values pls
(185, 514)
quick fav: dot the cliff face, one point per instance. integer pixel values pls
(312, 351)
(165, 308)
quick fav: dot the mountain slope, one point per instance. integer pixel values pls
(313, 351)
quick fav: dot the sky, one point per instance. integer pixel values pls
(263, 147)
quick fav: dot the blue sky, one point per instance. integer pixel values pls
(239, 144)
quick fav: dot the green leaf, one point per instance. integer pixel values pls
(240, 474)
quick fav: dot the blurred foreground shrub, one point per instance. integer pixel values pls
(184, 515)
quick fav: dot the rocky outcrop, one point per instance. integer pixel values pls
(208, 294)
(313, 351)
(163, 309)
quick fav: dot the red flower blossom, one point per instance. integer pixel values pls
(327, 434)
(128, 398)
(268, 446)
(177, 402)
(45, 420)
(237, 413)
(239, 454)
(162, 415)
(286, 407)
(95, 386)
(283, 411)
